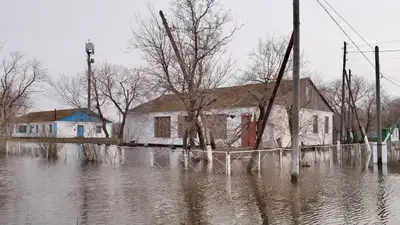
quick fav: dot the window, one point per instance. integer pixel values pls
(37, 128)
(31, 127)
(50, 128)
(326, 125)
(217, 125)
(22, 129)
(98, 129)
(315, 124)
(162, 127)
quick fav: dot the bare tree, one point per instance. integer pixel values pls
(121, 86)
(188, 57)
(267, 61)
(73, 92)
(19, 78)
(364, 98)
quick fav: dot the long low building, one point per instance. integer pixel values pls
(162, 120)
(65, 123)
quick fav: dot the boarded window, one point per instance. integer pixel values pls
(162, 127)
(50, 128)
(315, 124)
(217, 125)
(37, 128)
(98, 129)
(326, 125)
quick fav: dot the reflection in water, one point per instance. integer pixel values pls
(260, 199)
(124, 189)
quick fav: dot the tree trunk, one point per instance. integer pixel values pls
(121, 128)
(103, 121)
(192, 130)
(200, 133)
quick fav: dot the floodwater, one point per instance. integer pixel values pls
(126, 190)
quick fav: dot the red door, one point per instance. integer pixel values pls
(249, 134)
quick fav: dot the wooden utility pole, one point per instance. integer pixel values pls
(342, 129)
(270, 103)
(295, 90)
(349, 117)
(357, 118)
(378, 104)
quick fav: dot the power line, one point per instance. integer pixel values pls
(359, 35)
(347, 23)
(379, 43)
(358, 48)
(380, 51)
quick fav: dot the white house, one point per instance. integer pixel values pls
(162, 120)
(65, 123)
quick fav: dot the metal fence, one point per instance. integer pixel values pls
(220, 161)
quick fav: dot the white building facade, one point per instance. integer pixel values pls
(144, 127)
(68, 123)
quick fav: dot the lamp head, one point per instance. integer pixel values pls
(89, 47)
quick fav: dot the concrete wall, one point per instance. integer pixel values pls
(140, 127)
(62, 129)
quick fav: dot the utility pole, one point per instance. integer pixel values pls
(349, 117)
(378, 104)
(89, 51)
(342, 129)
(295, 90)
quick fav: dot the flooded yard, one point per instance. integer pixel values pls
(125, 189)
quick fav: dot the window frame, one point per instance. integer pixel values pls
(162, 129)
(315, 124)
(99, 129)
(326, 125)
(22, 131)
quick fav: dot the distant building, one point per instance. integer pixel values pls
(65, 123)
(163, 120)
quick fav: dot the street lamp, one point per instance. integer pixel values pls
(89, 47)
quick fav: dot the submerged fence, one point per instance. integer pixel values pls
(220, 161)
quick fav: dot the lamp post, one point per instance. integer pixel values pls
(89, 51)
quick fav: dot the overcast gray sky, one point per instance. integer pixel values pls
(55, 32)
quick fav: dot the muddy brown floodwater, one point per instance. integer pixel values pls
(68, 191)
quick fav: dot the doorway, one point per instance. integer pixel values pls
(80, 131)
(249, 131)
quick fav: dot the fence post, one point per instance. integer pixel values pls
(151, 158)
(185, 157)
(228, 163)
(19, 148)
(259, 160)
(338, 153)
(280, 157)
